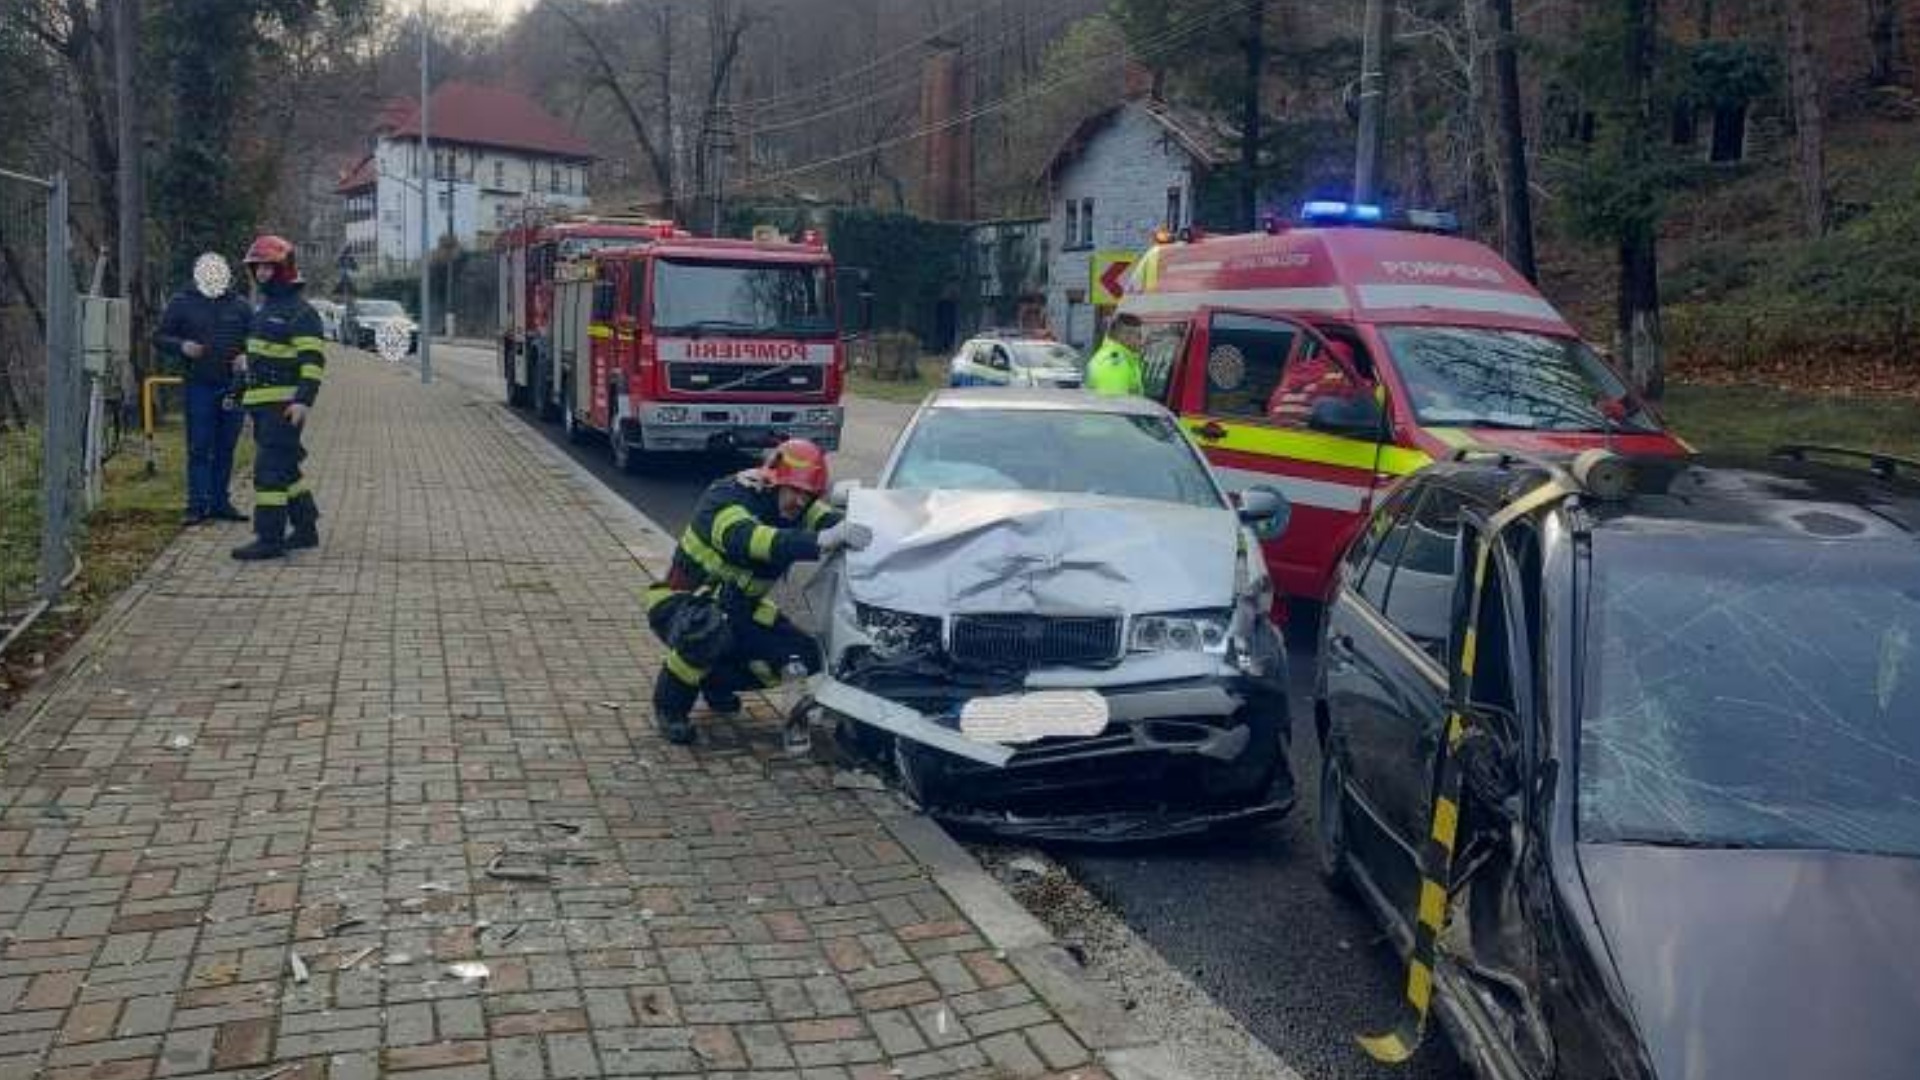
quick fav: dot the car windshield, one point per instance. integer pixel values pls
(773, 300)
(1044, 354)
(1752, 693)
(1470, 377)
(381, 309)
(1133, 457)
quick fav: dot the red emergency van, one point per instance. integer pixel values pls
(1330, 360)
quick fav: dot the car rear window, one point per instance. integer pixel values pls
(1752, 693)
(1095, 453)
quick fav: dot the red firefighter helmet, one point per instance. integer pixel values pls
(798, 464)
(277, 252)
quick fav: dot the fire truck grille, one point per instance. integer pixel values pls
(1035, 640)
(747, 378)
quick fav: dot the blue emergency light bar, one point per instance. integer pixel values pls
(1325, 212)
(1332, 211)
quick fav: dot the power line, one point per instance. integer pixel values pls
(880, 61)
(865, 96)
(1174, 35)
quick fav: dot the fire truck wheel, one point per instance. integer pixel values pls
(543, 404)
(570, 423)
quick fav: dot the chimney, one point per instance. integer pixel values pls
(947, 182)
(1140, 81)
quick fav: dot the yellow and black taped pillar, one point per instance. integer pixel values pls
(1443, 830)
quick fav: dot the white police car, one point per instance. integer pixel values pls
(1028, 362)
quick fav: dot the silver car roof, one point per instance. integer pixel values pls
(1042, 400)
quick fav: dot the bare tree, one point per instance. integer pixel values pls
(1809, 117)
(654, 135)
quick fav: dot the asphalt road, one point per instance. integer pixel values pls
(1246, 918)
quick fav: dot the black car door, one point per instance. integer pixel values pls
(1386, 686)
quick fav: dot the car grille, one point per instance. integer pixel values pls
(1034, 640)
(747, 378)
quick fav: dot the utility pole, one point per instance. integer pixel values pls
(1515, 190)
(1250, 117)
(426, 215)
(452, 249)
(132, 224)
(1373, 100)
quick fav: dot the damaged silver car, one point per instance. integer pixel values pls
(1061, 628)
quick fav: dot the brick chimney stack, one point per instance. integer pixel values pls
(947, 181)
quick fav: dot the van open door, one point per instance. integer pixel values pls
(1271, 401)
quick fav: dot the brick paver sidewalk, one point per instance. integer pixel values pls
(321, 758)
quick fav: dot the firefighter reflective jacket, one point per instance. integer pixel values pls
(736, 541)
(286, 358)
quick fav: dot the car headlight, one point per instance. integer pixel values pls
(821, 416)
(671, 414)
(1190, 631)
(897, 632)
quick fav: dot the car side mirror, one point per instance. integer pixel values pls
(842, 493)
(1358, 416)
(1265, 510)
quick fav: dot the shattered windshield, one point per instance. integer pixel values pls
(1752, 693)
(1131, 457)
(1469, 377)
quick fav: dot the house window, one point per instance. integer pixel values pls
(1174, 207)
(499, 174)
(1086, 223)
(1072, 240)
(553, 179)
(1729, 134)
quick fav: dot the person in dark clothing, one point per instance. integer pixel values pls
(204, 330)
(286, 359)
(723, 634)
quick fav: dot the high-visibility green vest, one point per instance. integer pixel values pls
(1115, 370)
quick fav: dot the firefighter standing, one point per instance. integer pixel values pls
(286, 359)
(1117, 369)
(205, 329)
(722, 632)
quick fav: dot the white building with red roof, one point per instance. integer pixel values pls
(496, 157)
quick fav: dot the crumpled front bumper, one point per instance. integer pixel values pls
(1176, 758)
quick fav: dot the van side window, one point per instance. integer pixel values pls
(1245, 356)
(1158, 354)
(1312, 376)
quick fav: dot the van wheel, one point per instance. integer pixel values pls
(1331, 850)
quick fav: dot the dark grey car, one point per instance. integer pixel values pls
(1684, 807)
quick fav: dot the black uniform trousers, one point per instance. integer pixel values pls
(280, 493)
(761, 643)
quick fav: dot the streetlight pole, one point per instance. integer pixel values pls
(426, 215)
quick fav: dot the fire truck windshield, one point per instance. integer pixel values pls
(783, 300)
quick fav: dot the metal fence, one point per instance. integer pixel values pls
(43, 400)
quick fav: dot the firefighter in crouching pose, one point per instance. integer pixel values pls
(714, 613)
(286, 359)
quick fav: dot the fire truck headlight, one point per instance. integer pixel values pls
(671, 414)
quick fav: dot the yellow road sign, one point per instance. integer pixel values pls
(1108, 268)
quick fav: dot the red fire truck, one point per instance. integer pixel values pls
(528, 257)
(682, 343)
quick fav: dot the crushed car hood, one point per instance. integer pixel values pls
(1750, 963)
(1011, 552)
